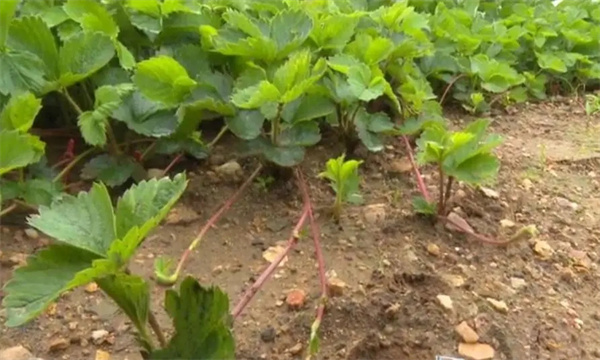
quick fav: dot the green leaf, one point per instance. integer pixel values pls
(18, 150)
(163, 79)
(93, 123)
(146, 117)
(68, 29)
(52, 14)
(112, 170)
(89, 226)
(32, 35)
(92, 16)
(86, 221)
(9, 190)
(476, 169)
(333, 31)
(369, 126)
(246, 124)
(20, 112)
(202, 326)
(21, 72)
(148, 202)
(309, 107)
(421, 206)
(363, 85)
(47, 274)
(82, 55)
(93, 128)
(7, 11)
(255, 96)
(191, 144)
(305, 133)
(284, 156)
(149, 7)
(551, 61)
(131, 293)
(41, 191)
(126, 58)
(293, 71)
(289, 29)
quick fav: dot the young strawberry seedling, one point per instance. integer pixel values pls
(95, 241)
(464, 156)
(344, 180)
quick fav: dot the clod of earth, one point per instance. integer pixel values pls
(375, 213)
(336, 286)
(543, 249)
(433, 249)
(506, 223)
(498, 305)
(400, 166)
(58, 344)
(454, 280)
(295, 350)
(15, 353)
(231, 170)
(476, 351)
(273, 252)
(517, 283)
(102, 355)
(91, 287)
(491, 193)
(445, 301)
(154, 173)
(99, 336)
(296, 299)
(466, 333)
(32, 233)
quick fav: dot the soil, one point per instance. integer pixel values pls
(386, 255)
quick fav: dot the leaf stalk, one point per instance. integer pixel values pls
(171, 279)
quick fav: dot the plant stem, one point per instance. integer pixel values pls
(8, 209)
(148, 150)
(213, 219)
(450, 84)
(172, 163)
(218, 137)
(275, 126)
(252, 290)
(482, 238)
(25, 205)
(460, 227)
(73, 162)
(60, 163)
(448, 190)
(441, 202)
(419, 178)
(78, 110)
(337, 208)
(316, 233)
(157, 330)
(86, 93)
(112, 140)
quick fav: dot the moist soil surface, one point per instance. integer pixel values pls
(544, 289)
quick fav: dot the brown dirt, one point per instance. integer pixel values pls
(390, 310)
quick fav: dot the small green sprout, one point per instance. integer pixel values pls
(344, 179)
(462, 156)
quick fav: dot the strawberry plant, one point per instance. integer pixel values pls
(464, 156)
(592, 104)
(95, 241)
(344, 179)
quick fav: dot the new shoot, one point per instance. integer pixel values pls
(464, 156)
(344, 180)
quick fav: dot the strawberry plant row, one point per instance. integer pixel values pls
(139, 77)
